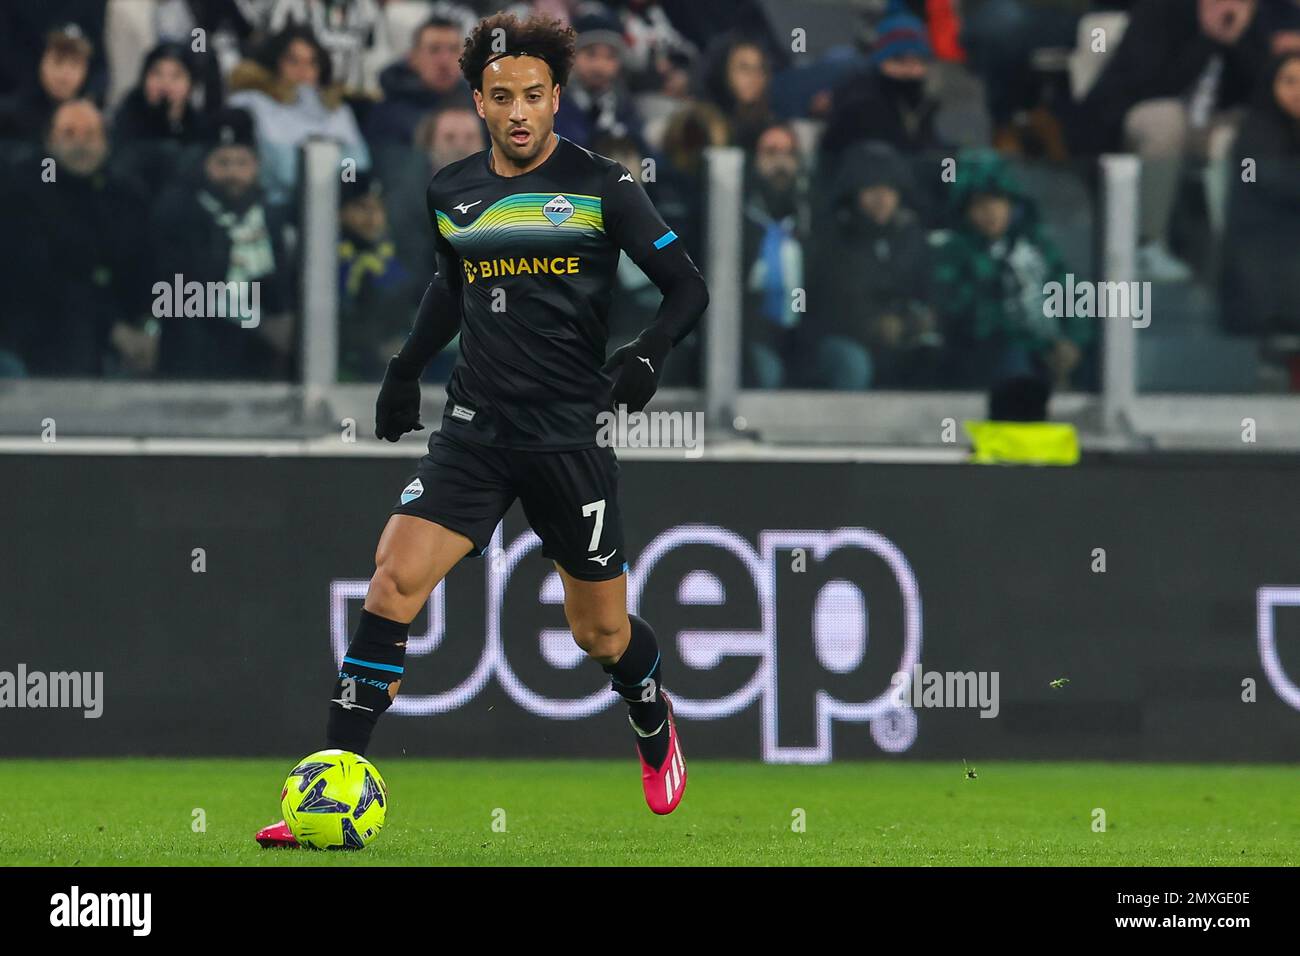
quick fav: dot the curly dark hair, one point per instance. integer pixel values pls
(504, 33)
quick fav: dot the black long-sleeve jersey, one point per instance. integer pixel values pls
(526, 272)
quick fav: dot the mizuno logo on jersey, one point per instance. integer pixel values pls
(626, 178)
(647, 362)
(461, 412)
(464, 207)
(605, 560)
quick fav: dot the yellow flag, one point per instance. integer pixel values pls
(1023, 443)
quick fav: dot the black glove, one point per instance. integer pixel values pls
(637, 368)
(397, 410)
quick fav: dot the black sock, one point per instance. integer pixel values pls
(373, 662)
(635, 678)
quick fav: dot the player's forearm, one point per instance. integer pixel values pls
(638, 366)
(685, 297)
(436, 323)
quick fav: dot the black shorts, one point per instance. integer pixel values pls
(570, 499)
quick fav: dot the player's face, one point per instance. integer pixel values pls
(518, 102)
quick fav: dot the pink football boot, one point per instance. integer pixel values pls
(664, 787)
(276, 835)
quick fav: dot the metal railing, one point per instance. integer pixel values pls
(1118, 416)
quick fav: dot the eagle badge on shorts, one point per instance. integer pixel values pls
(558, 210)
(412, 491)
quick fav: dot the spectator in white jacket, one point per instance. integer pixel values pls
(289, 91)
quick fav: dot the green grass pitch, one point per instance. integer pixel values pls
(141, 812)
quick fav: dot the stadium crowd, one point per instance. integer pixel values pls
(864, 265)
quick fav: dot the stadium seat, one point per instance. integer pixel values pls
(1185, 351)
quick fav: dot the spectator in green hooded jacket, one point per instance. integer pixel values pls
(990, 273)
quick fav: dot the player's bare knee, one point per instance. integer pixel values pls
(383, 589)
(604, 639)
(392, 593)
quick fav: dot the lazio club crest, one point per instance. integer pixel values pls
(412, 491)
(558, 210)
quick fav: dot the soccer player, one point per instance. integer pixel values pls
(528, 239)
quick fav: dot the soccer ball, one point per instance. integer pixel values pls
(334, 800)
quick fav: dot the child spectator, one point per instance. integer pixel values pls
(988, 285)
